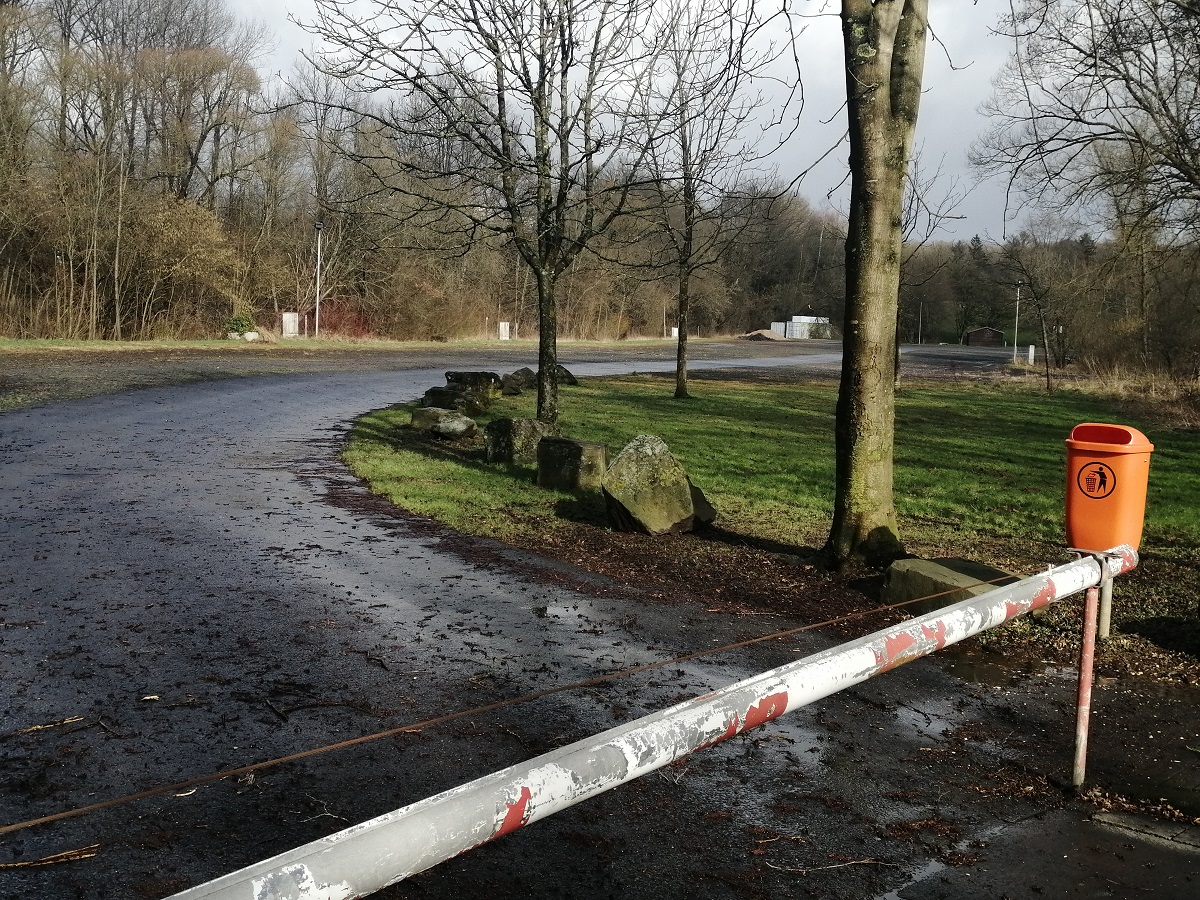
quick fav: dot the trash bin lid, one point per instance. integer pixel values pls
(1104, 438)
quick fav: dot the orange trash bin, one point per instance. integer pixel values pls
(1108, 468)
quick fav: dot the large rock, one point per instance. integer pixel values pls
(942, 581)
(425, 417)
(467, 402)
(569, 465)
(454, 426)
(647, 490)
(484, 383)
(515, 440)
(447, 423)
(524, 379)
(442, 397)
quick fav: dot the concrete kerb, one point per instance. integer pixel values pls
(1179, 833)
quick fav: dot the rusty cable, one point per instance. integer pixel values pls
(478, 710)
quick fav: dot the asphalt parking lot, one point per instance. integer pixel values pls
(192, 577)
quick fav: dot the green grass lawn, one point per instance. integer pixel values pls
(972, 461)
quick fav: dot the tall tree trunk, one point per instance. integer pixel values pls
(885, 53)
(687, 252)
(1046, 350)
(118, 274)
(547, 377)
(681, 350)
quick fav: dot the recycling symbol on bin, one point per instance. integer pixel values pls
(1096, 480)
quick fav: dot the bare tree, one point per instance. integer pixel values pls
(18, 49)
(885, 54)
(534, 107)
(708, 95)
(928, 205)
(1051, 276)
(199, 106)
(1099, 104)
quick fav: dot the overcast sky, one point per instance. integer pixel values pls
(958, 75)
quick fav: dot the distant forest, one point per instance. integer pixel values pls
(155, 183)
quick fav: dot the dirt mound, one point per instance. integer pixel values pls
(763, 334)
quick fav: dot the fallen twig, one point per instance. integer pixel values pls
(96, 723)
(853, 862)
(32, 728)
(66, 856)
(324, 811)
(314, 704)
(275, 709)
(369, 657)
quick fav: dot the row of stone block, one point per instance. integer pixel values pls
(645, 488)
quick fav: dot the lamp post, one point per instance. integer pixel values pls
(319, 225)
(1017, 323)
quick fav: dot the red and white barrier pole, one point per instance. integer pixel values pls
(1083, 705)
(382, 851)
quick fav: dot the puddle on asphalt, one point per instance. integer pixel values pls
(1176, 782)
(995, 670)
(932, 867)
(805, 744)
(561, 611)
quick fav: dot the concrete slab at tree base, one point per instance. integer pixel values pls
(944, 581)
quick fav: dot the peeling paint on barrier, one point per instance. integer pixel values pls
(297, 883)
(1043, 597)
(771, 707)
(517, 815)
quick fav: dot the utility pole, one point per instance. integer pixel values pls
(1017, 323)
(317, 318)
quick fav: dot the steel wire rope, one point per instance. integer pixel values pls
(478, 710)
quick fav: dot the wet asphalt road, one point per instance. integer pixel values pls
(191, 572)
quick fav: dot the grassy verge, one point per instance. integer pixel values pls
(973, 462)
(979, 473)
(728, 438)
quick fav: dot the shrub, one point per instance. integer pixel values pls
(239, 324)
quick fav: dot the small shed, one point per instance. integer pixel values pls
(985, 336)
(803, 328)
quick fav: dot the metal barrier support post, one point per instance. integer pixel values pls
(1104, 627)
(1087, 658)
